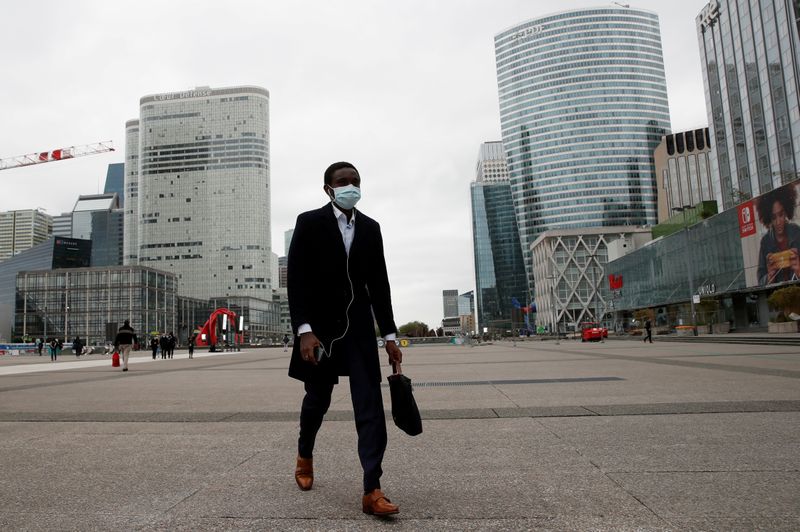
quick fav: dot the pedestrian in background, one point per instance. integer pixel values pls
(648, 328)
(39, 345)
(154, 346)
(191, 346)
(77, 346)
(59, 347)
(52, 347)
(285, 342)
(163, 343)
(171, 343)
(124, 341)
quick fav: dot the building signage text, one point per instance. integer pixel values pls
(181, 95)
(528, 32)
(709, 14)
(707, 289)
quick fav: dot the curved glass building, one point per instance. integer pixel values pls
(583, 104)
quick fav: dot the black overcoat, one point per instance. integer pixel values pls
(320, 291)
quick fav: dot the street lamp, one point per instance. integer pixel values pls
(689, 272)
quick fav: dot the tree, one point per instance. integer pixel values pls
(413, 329)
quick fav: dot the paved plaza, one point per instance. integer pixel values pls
(517, 436)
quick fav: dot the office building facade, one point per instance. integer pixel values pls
(683, 171)
(94, 302)
(203, 190)
(56, 252)
(569, 265)
(729, 264)
(23, 229)
(499, 266)
(583, 104)
(749, 53)
(449, 303)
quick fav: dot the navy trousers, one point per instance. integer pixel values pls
(367, 407)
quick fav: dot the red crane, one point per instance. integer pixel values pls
(58, 154)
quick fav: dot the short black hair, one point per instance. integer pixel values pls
(786, 195)
(337, 166)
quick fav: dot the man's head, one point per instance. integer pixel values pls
(342, 175)
(127, 323)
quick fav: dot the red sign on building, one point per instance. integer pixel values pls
(747, 219)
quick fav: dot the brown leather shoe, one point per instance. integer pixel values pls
(304, 473)
(376, 503)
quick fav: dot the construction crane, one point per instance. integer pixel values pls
(58, 154)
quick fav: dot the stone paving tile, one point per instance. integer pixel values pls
(729, 494)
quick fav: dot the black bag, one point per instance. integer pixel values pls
(404, 408)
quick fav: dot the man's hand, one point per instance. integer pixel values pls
(395, 355)
(308, 341)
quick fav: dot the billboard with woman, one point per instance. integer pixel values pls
(770, 232)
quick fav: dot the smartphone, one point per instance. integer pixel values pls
(318, 352)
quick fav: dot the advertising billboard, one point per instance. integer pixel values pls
(71, 253)
(769, 228)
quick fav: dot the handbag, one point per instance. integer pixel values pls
(404, 408)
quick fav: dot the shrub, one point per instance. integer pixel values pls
(785, 300)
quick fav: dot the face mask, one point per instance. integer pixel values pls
(346, 197)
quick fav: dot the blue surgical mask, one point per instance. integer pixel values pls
(346, 197)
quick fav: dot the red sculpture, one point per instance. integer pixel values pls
(208, 332)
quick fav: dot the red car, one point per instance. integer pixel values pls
(592, 331)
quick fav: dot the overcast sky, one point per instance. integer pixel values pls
(404, 89)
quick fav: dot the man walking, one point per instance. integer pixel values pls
(336, 257)
(124, 341)
(648, 328)
(285, 342)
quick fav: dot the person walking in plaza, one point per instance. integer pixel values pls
(77, 346)
(285, 342)
(124, 341)
(154, 346)
(171, 343)
(59, 347)
(39, 345)
(191, 345)
(648, 329)
(163, 343)
(337, 282)
(52, 347)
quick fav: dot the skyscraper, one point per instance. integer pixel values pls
(583, 104)
(499, 269)
(450, 303)
(99, 218)
(749, 51)
(23, 229)
(131, 194)
(115, 181)
(203, 209)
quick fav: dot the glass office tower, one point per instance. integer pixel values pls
(749, 51)
(499, 269)
(583, 104)
(202, 183)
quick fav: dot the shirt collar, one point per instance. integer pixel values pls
(339, 214)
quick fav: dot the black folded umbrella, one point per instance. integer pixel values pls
(404, 408)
